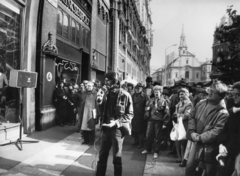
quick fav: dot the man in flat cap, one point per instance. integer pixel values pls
(138, 123)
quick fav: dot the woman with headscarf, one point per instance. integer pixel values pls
(183, 109)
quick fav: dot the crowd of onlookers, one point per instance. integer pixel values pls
(209, 112)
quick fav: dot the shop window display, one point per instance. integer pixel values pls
(10, 41)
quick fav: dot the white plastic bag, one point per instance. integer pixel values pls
(181, 130)
(174, 132)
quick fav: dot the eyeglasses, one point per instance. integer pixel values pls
(237, 95)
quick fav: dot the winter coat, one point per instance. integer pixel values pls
(231, 135)
(210, 126)
(139, 103)
(183, 108)
(157, 111)
(124, 108)
(87, 103)
(61, 103)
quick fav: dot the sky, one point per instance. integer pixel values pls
(199, 18)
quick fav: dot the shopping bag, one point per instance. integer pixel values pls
(181, 130)
(174, 132)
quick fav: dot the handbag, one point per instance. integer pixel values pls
(174, 132)
(181, 130)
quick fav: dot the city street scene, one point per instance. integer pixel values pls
(120, 87)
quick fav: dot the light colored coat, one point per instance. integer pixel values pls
(87, 105)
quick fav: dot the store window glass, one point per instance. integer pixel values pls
(65, 25)
(73, 31)
(84, 37)
(10, 55)
(59, 22)
(88, 39)
(78, 34)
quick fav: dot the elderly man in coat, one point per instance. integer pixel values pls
(88, 112)
(138, 122)
(206, 123)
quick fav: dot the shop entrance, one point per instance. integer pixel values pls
(85, 66)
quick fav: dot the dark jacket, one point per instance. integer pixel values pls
(139, 103)
(159, 111)
(124, 108)
(231, 135)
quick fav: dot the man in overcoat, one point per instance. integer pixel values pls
(138, 122)
(206, 123)
(88, 112)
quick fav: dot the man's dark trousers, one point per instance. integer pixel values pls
(110, 137)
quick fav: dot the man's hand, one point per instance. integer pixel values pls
(195, 137)
(223, 150)
(110, 125)
(235, 110)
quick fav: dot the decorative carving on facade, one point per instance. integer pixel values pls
(49, 46)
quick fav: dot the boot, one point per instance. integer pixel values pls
(117, 170)
(101, 170)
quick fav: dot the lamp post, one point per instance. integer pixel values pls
(166, 63)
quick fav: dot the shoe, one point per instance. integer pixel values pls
(140, 146)
(183, 163)
(145, 152)
(155, 155)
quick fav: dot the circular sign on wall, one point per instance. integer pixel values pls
(49, 76)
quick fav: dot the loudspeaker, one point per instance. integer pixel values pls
(25, 79)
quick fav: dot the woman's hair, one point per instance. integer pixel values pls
(157, 87)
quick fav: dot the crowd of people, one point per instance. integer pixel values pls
(209, 113)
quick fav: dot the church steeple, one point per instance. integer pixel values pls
(183, 46)
(183, 40)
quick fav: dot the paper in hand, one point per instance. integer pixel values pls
(94, 112)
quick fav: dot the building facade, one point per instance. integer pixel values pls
(130, 37)
(63, 51)
(99, 39)
(18, 38)
(69, 40)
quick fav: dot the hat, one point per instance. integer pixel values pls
(139, 85)
(183, 90)
(183, 82)
(165, 91)
(130, 84)
(111, 75)
(149, 79)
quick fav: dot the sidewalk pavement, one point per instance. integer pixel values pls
(164, 165)
(57, 149)
(60, 152)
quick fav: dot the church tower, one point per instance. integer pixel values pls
(183, 46)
